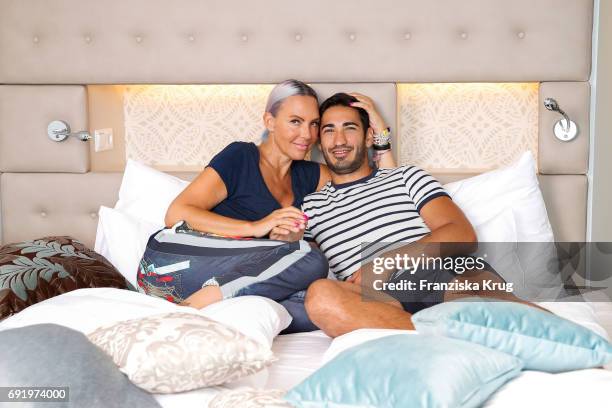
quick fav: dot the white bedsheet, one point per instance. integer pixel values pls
(582, 388)
(299, 355)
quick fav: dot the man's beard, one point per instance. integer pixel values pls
(345, 166)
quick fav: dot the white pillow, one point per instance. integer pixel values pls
(122, 239)
(357, 337)
(506, 205)
(580, 312)
(175, 352)
(497, 237)
(86, 309)
(258, 317)
(515, 187)
(500, 228)
(147, 193)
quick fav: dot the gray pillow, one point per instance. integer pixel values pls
(56, 356)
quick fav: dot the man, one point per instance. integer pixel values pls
(362, 205)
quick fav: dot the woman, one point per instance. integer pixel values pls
(246, 191)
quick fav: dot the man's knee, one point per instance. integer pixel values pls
(322, 298)
(327, 305)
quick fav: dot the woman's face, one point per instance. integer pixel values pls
(295, 128)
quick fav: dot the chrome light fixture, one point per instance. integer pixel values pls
(565, 129)
(58, 131)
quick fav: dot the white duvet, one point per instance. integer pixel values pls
(299, 355)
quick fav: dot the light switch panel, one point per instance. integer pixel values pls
(103, 139)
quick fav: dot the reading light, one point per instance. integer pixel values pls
(565, 129)
(58, 131)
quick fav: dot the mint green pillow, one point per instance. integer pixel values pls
(407, 371)
(542, 340)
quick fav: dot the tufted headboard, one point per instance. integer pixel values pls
(72, 60)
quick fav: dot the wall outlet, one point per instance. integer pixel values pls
(103, 139)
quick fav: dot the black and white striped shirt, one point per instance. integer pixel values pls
(382, 207)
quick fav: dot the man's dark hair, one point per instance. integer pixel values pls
(343, 99)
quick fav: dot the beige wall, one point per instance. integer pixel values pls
(106, 111)
(601, 226)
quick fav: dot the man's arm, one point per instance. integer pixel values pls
(377, 123)
(447, 223)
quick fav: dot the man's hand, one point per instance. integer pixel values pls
(282, 234)
(288, 218)
(355, 278)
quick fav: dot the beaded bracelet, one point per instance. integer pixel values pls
(382, 139)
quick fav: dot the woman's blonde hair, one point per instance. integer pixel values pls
(282, 91)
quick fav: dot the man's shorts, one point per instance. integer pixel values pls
(427, 294)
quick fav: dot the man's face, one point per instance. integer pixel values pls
(343, 139)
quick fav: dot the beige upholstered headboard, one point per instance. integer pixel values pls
(55, 54)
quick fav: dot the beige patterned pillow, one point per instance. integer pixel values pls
(174, 352)
(249, 398)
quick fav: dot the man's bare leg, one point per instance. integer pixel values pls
(480, 276)
(339, 307)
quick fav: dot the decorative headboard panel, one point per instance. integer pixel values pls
(239, 41)
(54, 52)
(180, 128)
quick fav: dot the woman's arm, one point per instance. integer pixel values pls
(194, 206)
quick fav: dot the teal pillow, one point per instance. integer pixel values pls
(407, 371)
(542, 340)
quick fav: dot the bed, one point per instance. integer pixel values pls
(461, 83)
(299, 355)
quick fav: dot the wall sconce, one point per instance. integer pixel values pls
(58, 131)
(565, 129)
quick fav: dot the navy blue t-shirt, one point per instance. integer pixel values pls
(248, 197)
